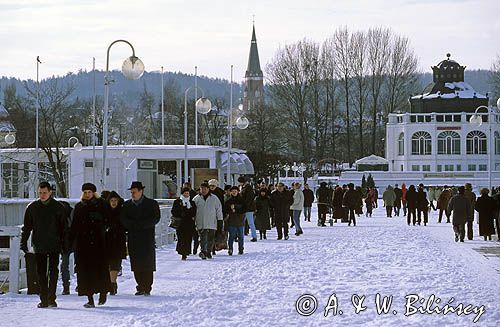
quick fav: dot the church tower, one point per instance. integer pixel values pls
(253, 95)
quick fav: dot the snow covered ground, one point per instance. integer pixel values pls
(380, 255)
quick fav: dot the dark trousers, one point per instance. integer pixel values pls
(321, 219)
(388, 210)
(441, 215)
(352, 216)
(236, 231)
(470, 234)
(412, 212)
(207, 240)
(404, 208)
(431, 202)
(426, 216)
(196, 241)
(281, 228)
(144, 280)
(47, 275)
(460, 230)
(397, 210)
(65, 269)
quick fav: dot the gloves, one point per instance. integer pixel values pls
(219, 225)
(24, 248)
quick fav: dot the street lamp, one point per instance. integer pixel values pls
(295, 168)
(78, 147)
(203, 106)
(286, 169)
(476, 120)
(9, 138)
(132, 69)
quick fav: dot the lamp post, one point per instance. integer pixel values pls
(286, 168)
(203, 106)
(132, 69)
(38, 62)
(241, 123)
(295, 168)
(78, 147)
(476, 120)
(162, 111)
(94, 128)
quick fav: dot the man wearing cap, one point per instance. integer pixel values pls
(248, 196)
(139, 216)
(208, 219)
(45, 220)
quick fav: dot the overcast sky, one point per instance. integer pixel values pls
(213, 34)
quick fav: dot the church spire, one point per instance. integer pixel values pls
(253, 68)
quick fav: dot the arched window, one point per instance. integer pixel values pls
(401, 144)
(476, 143)
(421, 143)
(449, 143)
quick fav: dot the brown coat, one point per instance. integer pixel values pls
(444, 199)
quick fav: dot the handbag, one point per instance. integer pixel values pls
(175, 222)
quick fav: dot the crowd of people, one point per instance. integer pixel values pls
(103, 229)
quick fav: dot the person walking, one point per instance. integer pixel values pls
(486, 208)
(431, 193)
(116, 245)
(45, 221)
(442, 203)
(369, 206)
(462, 211)
(67, 248)
(235, 219)
(339, 212)
(184, 209)
(322, 194)
(350, 201)
(296, 207)
(422, 205)
(389, 197)
(471, 196)
(262, 213)
(248, 196)
(208, 220)
(280, 203)
(88, 230)
(213, 185)
(139, 216)
(397, 201)
(403, 198)
(308, 201)
(411, 203)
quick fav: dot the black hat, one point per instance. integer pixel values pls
(242, 179)
(112, 195)
(235, 188)
(204, 184)
(137, 185)
(89, 187)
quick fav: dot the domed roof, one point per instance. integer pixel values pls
(448, 64)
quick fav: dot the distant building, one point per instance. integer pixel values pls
(253, 94)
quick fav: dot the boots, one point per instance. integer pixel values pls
(264, 234)
(114, 289)
(102, 298)
(261, 236)
(90, 303)
(65, 289)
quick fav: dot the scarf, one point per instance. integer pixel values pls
(186, 202)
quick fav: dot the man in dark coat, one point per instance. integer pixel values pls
(324, 199)
(281, 202)
(308, 201)
(397, 202)
(462, 211)
(351, 201)
(139, 216)
(235, 219)
(45, 219)
(248, 197)
(422, 205)
(469, 194)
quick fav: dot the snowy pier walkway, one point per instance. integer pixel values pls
(379, 256)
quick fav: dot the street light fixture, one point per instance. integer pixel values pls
(202, 106)
(78, 147)
(9, 138)
(132, 69)
(476, 120)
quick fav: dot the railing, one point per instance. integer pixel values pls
(164, 234)
(14, 234)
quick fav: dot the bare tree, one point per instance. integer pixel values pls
(378, 56)
(495, 76)
(342, 56)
